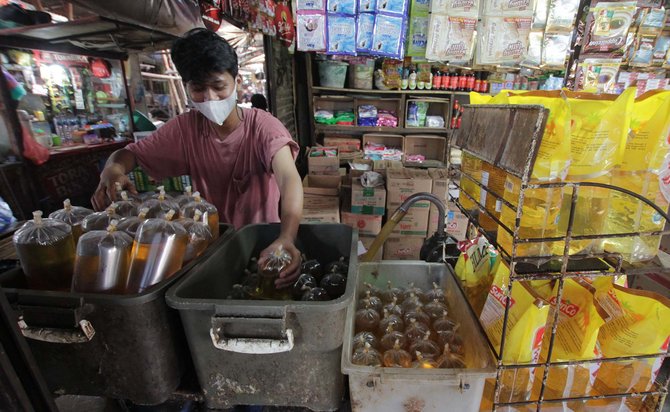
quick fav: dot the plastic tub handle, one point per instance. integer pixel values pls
(252, 345)
(83, 334)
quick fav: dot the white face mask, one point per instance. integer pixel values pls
(218, 110)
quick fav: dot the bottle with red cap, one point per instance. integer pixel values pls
(470, 84)
(453, 81)
(462, 81)
(437, 79)
(478, 82)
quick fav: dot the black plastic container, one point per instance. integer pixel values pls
(119, 346)
(266, 352)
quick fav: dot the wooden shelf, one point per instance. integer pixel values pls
(376, 92)
(364, 129)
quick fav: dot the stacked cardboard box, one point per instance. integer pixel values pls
(321, 202)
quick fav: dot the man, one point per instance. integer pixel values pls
(241, 160)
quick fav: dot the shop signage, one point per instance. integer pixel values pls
(211, 13)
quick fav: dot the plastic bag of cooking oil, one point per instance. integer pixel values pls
(160, 205)
(475, 268)
(127, 206)
(500, 98)
(580, 318)
(131, 224)
(637, 325)
(525, 329)
(100, 220)
(471, 168)
(199, 236)
(158, 252)
(541, 208)
(185, 198)
(645, 152)
(209, 212)
(553, 156)
(73, 216)
(46, 251)
(102, 261)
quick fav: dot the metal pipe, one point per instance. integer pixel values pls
(419, 197)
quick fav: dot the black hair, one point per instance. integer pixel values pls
(200, 52)
(258, 101)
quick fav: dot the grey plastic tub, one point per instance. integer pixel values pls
(250, 352)
(374, 389)
(117, 346)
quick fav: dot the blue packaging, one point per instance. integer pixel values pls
(367, 6)
(341, 36)
(395, 7)
(347, 7)
(388, 38)
(365, 27)
(311, 31)
(318, 5)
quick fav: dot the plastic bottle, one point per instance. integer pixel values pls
(46, 250)
(453, 81)
(437, 79)
(209, 213)
(478, 82)
(412, 78)
(462, 81)
(470, 82)
(102, 262)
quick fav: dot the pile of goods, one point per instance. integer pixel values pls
(125, 249)
(406, 328)
(317, 282)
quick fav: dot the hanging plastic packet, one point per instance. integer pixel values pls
(311, 31)
(393, 7)
(365, 27)
(102, 262)
(199, 236)
(100, 220)
(316, 5)
(126, 207)
(209, 213)
(598, 75)
(653, 21)
(509, 7)
(366, 6)
(638, 325)
(450, 38)
(131, 224)
(391, 70)
(186, 197)
(46, 251)
(644, 50)
(660, 49)
(475, 268)
(389, 36)
(160, 205)
(341, 34)
(555, 50)
(158, 253)
(466, 8)
(533, 56)
(607, 28)
(418, 36)
(503, 40)
(561, 15)
(347, 7)
(525, 330)
(277, 261)
(580, 319)
(73, 216)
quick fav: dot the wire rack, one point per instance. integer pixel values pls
(509, 137)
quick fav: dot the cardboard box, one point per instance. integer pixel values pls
(401, 184)
(432, 147)
(321, 185)
(343, 144)
(322, 165)
(354, 173)
(365, 242)
(367, 200)
(321, 209)
(389, 140)
(457, 222)
(382, 166)
(403, 247)
(366, 224)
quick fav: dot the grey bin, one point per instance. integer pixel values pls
(137, 352)
(252, 352)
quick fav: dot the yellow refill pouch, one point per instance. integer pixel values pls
(475, 268)
(525, 330)
(470, 166)
(579, 321)
(477, 98)
(645, 152)
(638, 325)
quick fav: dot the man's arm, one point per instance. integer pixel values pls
(119, 164)
(290, 188)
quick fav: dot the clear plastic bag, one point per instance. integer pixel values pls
(100, 220)
(131, 224)
(158, 252)
(160, 205)
(397, 357)
(366, 356)
(126, 207)
(102, 261)
(199, 237)
(269, 271)
(367, 319)
(185, 198)
(73, 216)
(46, 250)
(209, 212)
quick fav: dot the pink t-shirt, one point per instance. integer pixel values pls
(235, 174)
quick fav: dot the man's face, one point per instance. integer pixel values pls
(217, 86)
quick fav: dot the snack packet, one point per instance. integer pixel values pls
(525, 330)
(464, 8)
(509, 7)
(311, 31)
(341, 34)
(503, 40)
(450, 38)
(562, 15)
(598, 75)
(607, 28)
(365, 27)
(389, 36)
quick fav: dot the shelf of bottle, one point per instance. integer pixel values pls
(376, 91)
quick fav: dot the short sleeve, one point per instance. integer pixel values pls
(163, 154)
(273, 136)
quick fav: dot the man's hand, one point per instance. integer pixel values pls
(106, 191)
(288, 276)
